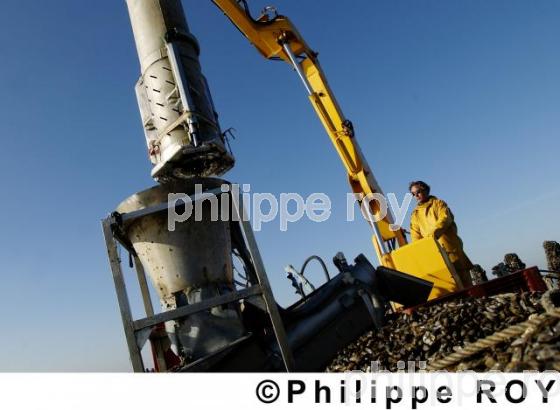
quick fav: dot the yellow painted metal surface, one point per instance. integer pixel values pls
(426, 259)
(267, 36)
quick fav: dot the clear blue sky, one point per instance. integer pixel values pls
(462, 94)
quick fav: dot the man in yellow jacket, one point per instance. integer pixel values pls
(432, 217)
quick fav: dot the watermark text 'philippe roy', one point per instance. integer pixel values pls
(265, 207)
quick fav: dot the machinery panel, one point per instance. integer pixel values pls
(426, 259)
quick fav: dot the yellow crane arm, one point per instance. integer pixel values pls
(275, 37)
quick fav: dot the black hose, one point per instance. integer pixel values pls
(302, 271)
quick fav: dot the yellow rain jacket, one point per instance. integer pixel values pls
(434, 218)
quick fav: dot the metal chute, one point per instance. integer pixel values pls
(180, 122)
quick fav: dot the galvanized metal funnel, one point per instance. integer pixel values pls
(187, 265)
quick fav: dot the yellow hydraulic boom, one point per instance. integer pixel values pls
(275, 37)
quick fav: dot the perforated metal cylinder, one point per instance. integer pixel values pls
(180, 122)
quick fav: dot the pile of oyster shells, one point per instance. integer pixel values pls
(512, 263)
(433, 332)
(552, 251)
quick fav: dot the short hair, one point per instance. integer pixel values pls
(425, 187)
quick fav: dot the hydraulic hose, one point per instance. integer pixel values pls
(323, 265)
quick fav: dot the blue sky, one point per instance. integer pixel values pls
(462, 94)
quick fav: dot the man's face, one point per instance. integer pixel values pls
(419, 193)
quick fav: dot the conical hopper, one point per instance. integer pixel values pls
(196, 254)
(191, 263)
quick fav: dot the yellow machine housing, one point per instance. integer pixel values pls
(426, 259)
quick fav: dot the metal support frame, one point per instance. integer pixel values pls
(122, 296)
(271, 306)
(138, 331)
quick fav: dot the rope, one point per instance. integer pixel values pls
(528, 327)
(549, 305)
